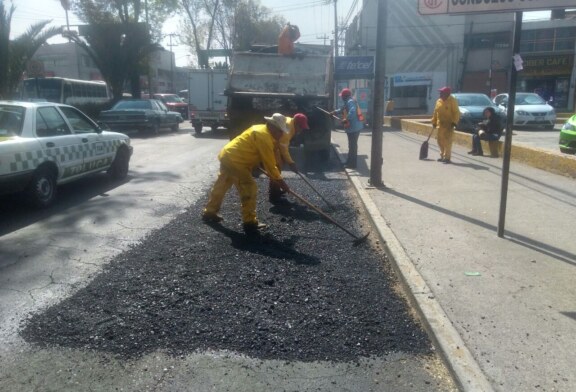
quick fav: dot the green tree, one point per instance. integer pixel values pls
(15, 54)
(228, 24)
(117, 38)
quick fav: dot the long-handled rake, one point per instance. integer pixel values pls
(302, 176)
(357, 240)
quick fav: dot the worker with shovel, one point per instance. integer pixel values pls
(353, 122)
(295, 125)
(254, 147)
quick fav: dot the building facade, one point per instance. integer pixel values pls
(470, 53)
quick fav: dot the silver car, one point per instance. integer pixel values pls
(530, 110)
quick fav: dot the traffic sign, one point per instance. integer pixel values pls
(452, 7)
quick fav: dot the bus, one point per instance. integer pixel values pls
(62, 90)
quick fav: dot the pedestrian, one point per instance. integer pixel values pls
(254, 147)
(445, 118)
(353, 122)
(490, 129)
(295, 125)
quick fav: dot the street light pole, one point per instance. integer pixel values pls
(490, 70)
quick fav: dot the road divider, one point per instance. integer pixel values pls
(550, 161)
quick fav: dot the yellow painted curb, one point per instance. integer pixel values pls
(542, 159)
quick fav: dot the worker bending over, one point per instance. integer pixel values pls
(295, 125)
(254, 147)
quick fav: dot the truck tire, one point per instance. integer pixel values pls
(41, 192)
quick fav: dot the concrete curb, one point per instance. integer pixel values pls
(541, 159)
(463, 366)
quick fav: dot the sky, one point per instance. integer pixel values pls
(314, 18)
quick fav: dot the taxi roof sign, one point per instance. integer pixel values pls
(454, 7)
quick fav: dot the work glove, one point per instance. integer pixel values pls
(282, 184)
(293, 167)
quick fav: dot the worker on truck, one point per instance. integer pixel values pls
(295, 125)
(288, 35)
(238, 158)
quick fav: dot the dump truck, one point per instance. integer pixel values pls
(260, 84)
(206, 100)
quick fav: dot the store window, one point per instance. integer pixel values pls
(548, 40)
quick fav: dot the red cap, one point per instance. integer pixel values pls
(445, 89)
(345, 92)
(301, 120)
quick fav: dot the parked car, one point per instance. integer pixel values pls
(44, 144)
(174, 102)
(141, 115)
(529, 110)
(568, 136)
(472, 107)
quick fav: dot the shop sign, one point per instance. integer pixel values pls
(412, 79)
(548, 65)
(433, 7)
(354, 67)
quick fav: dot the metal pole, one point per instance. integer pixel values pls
(509, 125)
(376, 160)
(149, 77)
(490, 71)
(335, 28)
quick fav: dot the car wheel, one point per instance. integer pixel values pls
(198, 128)
(174, 128)
(41, 191)
(120, 166)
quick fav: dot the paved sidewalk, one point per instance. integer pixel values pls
(512, 300)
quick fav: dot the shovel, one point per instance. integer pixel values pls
(328, 113)
(424, 147)
(357, 240)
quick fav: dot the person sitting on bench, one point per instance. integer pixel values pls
(490, 129)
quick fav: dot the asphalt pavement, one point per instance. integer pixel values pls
(510, 301)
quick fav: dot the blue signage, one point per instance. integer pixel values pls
(354, 67)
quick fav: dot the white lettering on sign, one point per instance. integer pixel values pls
(431, 7)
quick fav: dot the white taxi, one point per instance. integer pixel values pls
(45, 144)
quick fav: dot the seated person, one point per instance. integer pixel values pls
(490, 129)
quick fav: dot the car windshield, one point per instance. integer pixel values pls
(11, 118)
(171, 98)
(133, 105)
(473, 100)
(529, 99)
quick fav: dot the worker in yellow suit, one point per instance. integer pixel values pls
(295, 125)
(238, 158)
(445, 118)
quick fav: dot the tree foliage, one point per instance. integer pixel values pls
(228, 24)
(15, 54)
(117, 38)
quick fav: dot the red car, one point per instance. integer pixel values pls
(174, 103)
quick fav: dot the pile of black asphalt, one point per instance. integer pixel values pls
(299, 292)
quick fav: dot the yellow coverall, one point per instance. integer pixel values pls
(237, 159)
(446, 114)
(282, 154)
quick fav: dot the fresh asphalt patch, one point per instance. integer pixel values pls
(299, 292)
